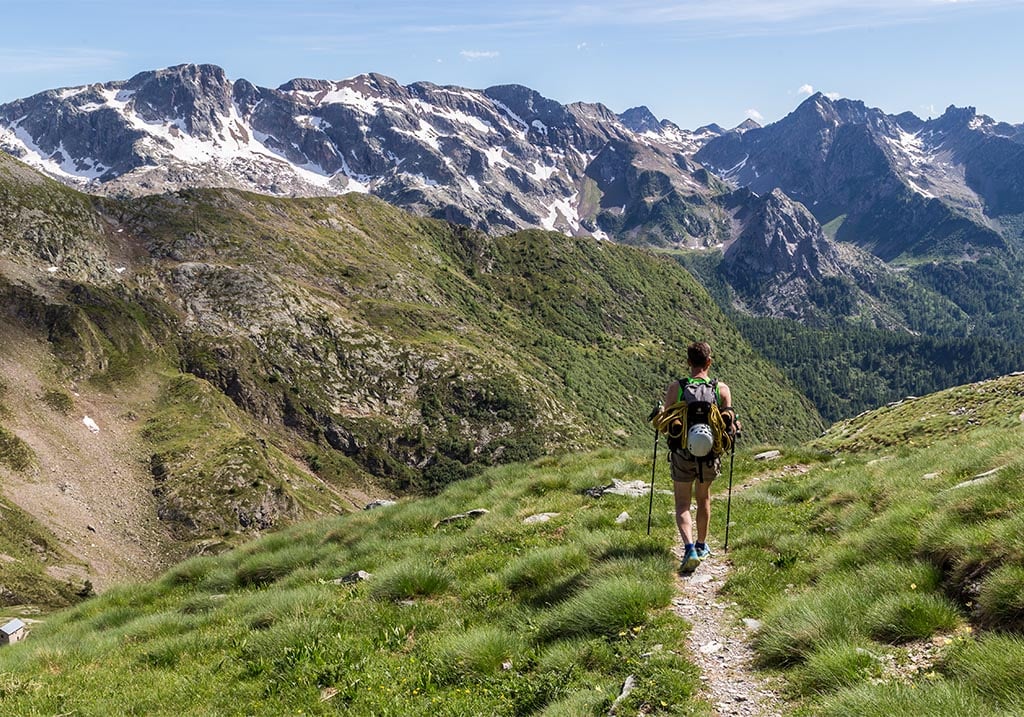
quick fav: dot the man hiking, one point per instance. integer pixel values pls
(705, 427)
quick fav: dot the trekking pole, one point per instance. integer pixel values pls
(654, 465)
(728, 502)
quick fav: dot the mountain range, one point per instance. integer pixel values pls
(498, 159)
(287, 345)
(907, 190)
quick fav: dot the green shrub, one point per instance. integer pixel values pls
(1001, 601)
(910, 615)
(609, 607)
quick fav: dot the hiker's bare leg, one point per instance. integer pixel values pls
(703, 510)
(683, 492)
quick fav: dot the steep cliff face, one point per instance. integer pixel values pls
(780, 257)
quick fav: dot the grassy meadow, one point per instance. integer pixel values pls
(480, 615)
(888, 571)
(884, 562)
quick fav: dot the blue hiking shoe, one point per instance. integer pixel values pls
(690, 562)
(703, 551)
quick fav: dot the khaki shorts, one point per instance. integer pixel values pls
(687, 470)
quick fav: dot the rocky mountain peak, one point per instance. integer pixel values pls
(528, 105)
(780, 238)
(817, 108)
(193, 95)
(640, 119)
(955, 118)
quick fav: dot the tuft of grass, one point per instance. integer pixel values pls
(902, 617)
(887, 700)
(609, 607)
(482, 650)
(409, 579)
(59, 400)
(835, 665)
(264, 568)
(546, 576)
(992, 666)
(14, 452)
(1001, 599)
(585, 653)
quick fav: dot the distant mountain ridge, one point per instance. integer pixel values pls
(948, 190)
(897, 185)
(499, 159)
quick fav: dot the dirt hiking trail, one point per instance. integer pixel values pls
(718, 643)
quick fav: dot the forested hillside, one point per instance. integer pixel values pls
(259, 361)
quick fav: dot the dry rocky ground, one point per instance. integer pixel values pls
(91, 485)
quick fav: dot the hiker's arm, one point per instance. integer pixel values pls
(671, 395)
(724, 396)
(725, 405)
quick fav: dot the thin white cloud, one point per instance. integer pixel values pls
(772, 17)
(479, 54)
(582, 46)
(806, 90)
(833, 95)
(755, 115)
(55, 59)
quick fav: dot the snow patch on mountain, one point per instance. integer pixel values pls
(58, 163)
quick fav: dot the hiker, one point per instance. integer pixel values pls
(687, 469)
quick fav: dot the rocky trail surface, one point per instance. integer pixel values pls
(719, 643)
(721, 648)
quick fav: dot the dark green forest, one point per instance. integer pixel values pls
(962, 321)
(849, 369)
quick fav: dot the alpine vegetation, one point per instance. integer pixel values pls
(456, 604)
(273, 360)
(887, 571)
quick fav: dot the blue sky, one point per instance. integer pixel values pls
(694, 62)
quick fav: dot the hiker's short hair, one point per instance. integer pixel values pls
(698, 354)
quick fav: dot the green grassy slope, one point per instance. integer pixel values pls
(889, 575)
(311, 354)
(576, 338)
(883, 560)
(486, 614)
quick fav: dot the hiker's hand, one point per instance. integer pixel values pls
(732, 423)
(734, 427)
